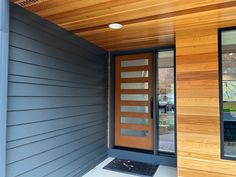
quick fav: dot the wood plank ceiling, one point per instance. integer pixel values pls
(147, 23)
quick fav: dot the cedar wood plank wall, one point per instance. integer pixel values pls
(198, 121)
(57, 100)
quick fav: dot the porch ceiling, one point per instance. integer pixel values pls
(147, 23)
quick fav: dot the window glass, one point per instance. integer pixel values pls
(138, 62)
(134, 97)
(128, 120)
(166, 101)
(141, 85)
(134, 74)
(141, 109)
(228, 89)
(130, 132)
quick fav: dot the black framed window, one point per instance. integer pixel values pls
(227, 69)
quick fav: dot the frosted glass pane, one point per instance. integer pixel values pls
(140, 121)
(228, 38)
(141, 85)
(134, 97)
(129, 132)
(166, 54)
(166, 59)
(139, 62)
(134, 74)
(142, 109)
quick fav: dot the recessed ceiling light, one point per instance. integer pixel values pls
(231, 54)
(115, 26)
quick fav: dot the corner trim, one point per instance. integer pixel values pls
(4, 52)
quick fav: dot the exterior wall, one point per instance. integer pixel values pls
(57, 100)
(198, 121)
(4, 46)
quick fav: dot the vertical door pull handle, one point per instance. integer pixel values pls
(151, 107)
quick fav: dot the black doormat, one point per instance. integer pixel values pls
(128, 166)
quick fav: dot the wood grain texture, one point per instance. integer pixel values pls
(192, 25)
(198, 121)
(147, 23)
(125, 140)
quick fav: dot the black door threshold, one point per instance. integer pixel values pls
(133, 149)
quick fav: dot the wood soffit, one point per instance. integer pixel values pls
(147, 23)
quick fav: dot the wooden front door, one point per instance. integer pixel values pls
(133, 101)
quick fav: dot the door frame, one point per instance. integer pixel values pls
(4, 50)
(154, 157)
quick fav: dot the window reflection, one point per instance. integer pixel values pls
(166, 101)
(229, 91)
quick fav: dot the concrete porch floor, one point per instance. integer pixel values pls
(98, 171)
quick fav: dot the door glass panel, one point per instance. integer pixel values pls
(127, 120)
(134, 74)
(228, 86)
(134, 97)
(141, 109)
(139, 62)
(141, 85)
(166, 101)
(129, 132)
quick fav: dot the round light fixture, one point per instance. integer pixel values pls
(115, 26)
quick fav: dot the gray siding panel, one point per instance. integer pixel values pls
(50, 143)
(17, 68)
(63, 35)
(20, 28)
(31, 139)
(46, 81)
(32, 116)
(17, 54)
(33, 129)
(57, 100)
(29, 103)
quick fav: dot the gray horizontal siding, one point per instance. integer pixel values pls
(62, 36)
(57, 100)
